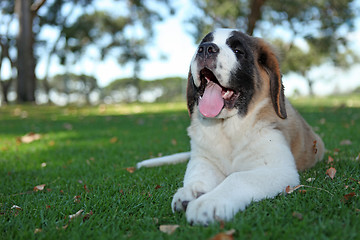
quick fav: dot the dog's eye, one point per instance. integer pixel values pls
(238, 51)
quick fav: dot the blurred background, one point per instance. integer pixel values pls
(113, 51)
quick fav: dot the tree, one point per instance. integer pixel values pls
(7, 42)
(26, 82)
(80, 86)
(321, 24)
(78, 30)
(161, 90)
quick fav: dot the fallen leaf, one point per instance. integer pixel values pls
(158, 186)
(52, 143)
(353, 179)
(345, 142)
(86, 189)
(228, 235)
(310, 179)
(289, 189)
(330, 160)
(169, 229)
(75, 214)
(87, 216)
(113, 140)
(173, 142)
(77, 198)
(131, 169)
(28, 138)
(37, 230)
(336, 150)
(16, 207)
(39, 187)
(331, 172)
(347, 198)
(297, 215)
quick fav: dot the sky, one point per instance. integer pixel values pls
(174, 41)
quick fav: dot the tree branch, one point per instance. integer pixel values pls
(255, 15)
(37, 5)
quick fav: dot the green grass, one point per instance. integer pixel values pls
(93, 146)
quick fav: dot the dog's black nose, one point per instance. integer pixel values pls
(208, 49)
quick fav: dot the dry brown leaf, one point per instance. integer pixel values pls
(39, 187)
(330, 160)
(331, 172)
(113, 140)
(347, 198)
(297, 215)
(28, 138)
(173, 142)
(72, 216)
(131, 169)
(77, 198)
(289, 189)
(37, 230)
(169, 229)
(228, 235)
(87, 216)
(86, 188)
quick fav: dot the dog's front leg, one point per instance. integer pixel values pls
(201, 177)
(237, 191)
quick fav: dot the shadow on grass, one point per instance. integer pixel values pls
(87, 151)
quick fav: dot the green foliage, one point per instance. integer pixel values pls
(167, 89)
(87, 151)
(322, 25)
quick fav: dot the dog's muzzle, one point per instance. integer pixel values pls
(212, 96)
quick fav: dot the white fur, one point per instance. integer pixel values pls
(171, 159)
(233, 162)
(226, 59)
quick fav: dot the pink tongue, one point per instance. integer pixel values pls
(211, 103)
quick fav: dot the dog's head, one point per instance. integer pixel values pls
(228, 70)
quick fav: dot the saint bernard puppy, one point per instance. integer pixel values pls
(247, 141)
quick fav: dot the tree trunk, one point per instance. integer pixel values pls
(255, 15)
(26, 80)
(5, 86)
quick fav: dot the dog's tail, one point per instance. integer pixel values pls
(171, 159)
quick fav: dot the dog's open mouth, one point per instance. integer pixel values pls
(213, 96)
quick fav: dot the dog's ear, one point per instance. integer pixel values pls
(190, 93)
(270, 63)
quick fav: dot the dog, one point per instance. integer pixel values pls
(247, 141)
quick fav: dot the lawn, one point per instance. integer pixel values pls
(85, 155)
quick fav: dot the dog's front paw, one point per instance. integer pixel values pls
(206, 210)
(185, 195)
